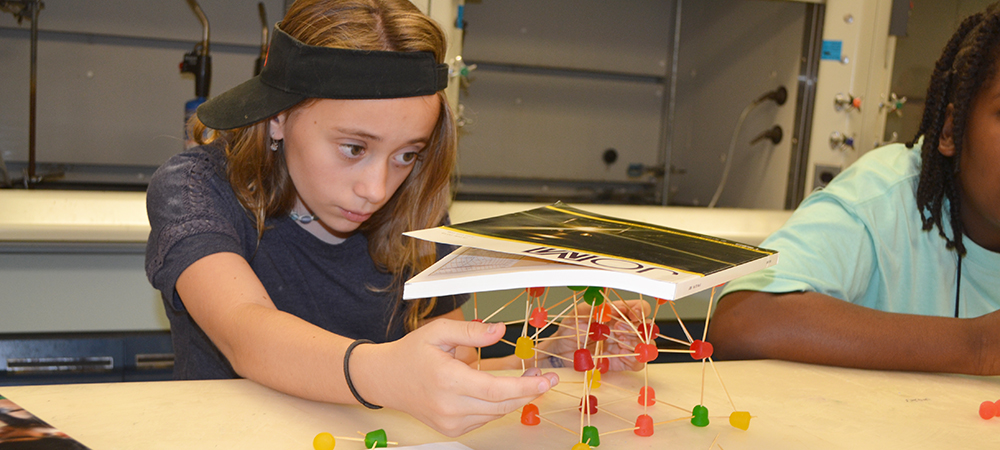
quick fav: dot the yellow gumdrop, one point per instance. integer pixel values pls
(324, 441)
(740, 419)
(525, 348)
(580, 446)
(594, 378)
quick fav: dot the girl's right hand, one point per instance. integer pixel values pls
(420, 375)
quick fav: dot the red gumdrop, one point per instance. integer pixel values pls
(599, 331)
(529, 415)
(661, 301)
(583, 360)
(535, 291)
(591, 405)
(987, 410)
(644, 425)
(603, 365)
(647, 396)
(647, 352)
(644, 330)
(539, 317)
(701, 349)
(478, 320)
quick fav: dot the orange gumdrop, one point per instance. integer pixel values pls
(661, 301)
(701, 349)
(987, 410)
(603, 365)
(646, 352)
(644, 425)
(583, 360)
(529, 415)
(603, 313)
(647, 396)
(539, 317)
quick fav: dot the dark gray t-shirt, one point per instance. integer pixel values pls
(194, 213)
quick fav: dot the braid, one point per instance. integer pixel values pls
(966, 62)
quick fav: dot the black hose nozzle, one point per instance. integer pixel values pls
(779, 96)
(774, 134)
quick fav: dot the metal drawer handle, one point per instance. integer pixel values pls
(154, 361)
(60, 364)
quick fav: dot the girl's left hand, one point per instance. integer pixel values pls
(621, 340)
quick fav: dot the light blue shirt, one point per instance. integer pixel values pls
(860, 239)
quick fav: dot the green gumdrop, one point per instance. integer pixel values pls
(577, 288)
(593, 296)
(700, 418)
(591, 437)
(376, 439)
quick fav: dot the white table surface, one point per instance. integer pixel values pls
(795, 406)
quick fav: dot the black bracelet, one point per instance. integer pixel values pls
(347, 373)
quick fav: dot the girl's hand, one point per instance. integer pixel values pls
(622, 339)
(419, 375)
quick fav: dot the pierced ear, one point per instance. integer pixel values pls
(276, 126)
(946, 142)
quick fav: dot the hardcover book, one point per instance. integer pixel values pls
(558, 245)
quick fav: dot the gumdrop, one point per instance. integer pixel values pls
(661, 301)
(324, 441)
(582, 360)
(529, 415)
(603, 365)
(603, 313)
(701, 349)
(376, 438)
(591, 437)
(591, 405)
(593, 296)
(478, 320)
(700, 418)
(740, 419)
(539, 317)
(645, 328)
(580, 446)
(647, 396)
(593, 377)
(646, 352)
(525, 348)
(535, 291)
(599, 331)
(644, 425)
(988, 410)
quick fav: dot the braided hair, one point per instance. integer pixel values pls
(966, 63)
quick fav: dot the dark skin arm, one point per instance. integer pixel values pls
(819, 329)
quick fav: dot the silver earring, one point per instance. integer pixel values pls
(275, 144)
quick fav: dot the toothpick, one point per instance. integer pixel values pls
(560, 426)
(723, 384)
(711, 298)
(690, 340)
(487, 319)
(714, 441)
(673, 420)
(618, 431)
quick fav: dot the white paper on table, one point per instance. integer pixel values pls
(437, 446)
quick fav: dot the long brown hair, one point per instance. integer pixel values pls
(260, 178)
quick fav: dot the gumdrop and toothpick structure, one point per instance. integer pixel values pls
(603, 311)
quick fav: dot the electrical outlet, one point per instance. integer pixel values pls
(823, 175)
